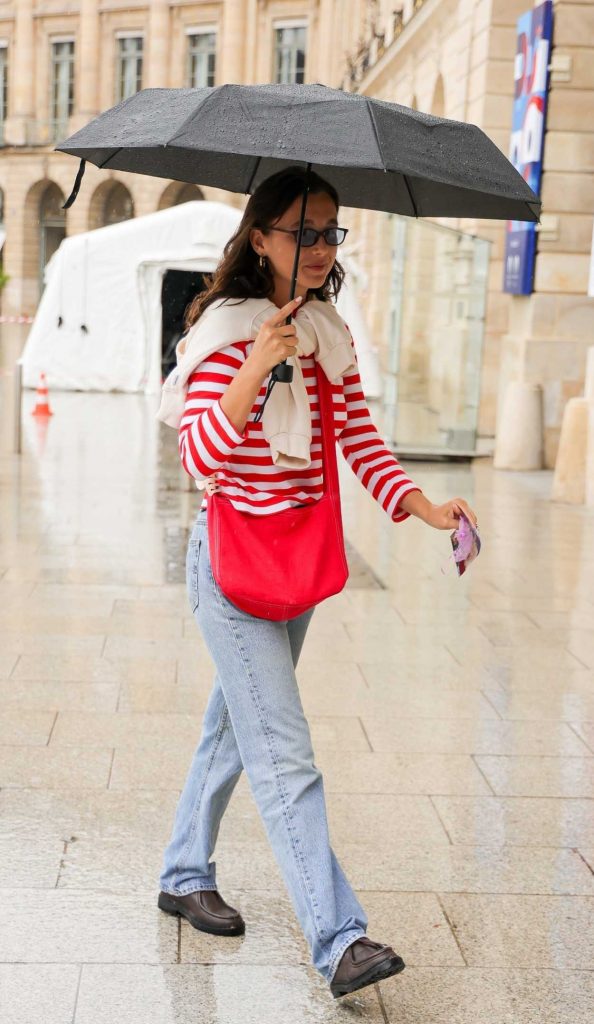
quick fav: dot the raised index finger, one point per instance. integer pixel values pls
(284, 311)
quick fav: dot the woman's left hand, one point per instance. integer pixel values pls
(447, 516)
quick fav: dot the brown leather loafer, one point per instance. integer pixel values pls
(206, 910)
(363, 963)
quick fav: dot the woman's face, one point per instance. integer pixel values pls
(315, 261)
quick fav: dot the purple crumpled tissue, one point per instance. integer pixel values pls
(466, 545)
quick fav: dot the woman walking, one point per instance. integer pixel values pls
(254, 720)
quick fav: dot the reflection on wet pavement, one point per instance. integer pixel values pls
(453, 720)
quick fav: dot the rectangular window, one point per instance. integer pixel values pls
(3, 87)
(62, 86)
(202, 52)
(290, 46)
(129, 70)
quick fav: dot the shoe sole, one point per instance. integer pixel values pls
(384, 969)
(170, 907)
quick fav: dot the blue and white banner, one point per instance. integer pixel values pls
(534, 39)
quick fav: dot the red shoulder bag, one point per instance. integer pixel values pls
(277, 565)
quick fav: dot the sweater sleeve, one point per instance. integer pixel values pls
(367, 454)
(206, 435)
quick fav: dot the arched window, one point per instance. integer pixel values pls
(52, 225)
(188, 194)
(118, 204)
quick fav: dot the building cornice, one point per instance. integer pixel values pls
(423, 11)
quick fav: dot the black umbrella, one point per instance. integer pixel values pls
(378, 155)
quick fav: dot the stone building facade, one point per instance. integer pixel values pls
(62, 62)
(455, 58)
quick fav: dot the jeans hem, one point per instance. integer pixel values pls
(186, 892)
(337, 957)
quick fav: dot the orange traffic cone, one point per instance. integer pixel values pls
(42, 404)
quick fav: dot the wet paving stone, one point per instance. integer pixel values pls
(452, 719)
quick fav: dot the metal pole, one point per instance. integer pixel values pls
(18, 403)
(282, 372)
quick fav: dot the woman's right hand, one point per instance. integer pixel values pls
(275, 340)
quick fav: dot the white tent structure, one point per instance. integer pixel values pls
(99, 325)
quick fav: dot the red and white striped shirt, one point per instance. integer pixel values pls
(246, 474)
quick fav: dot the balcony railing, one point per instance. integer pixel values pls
(378, 37)
(30, 132)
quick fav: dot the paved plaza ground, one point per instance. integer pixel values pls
(452, 718)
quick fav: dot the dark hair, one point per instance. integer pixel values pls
(238, 274)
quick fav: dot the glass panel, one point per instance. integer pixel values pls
(3, 88)
(62, 87)
(201, 59)
(290, 55)
(436, 327)
(129, 78)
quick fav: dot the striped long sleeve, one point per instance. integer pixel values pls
(246, 474)
(373, 463)
(206, 435)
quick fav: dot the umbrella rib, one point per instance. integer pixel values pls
(105, 162)
(410, 195)
(253, 175)
(188, 120)
(375, 132)
(534, 212)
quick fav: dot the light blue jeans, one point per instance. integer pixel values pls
(255, 720)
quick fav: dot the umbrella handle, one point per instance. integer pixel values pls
(282, 372)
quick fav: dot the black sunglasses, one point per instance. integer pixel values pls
(332, 236)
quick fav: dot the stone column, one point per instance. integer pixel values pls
(589, 396)
(157, 72)
(231, 47)
(329, 67)
(573, 480)
(569, 480)
(519, 433)
(550, 330)
(22, 76)
(86, 93)
(251, 35)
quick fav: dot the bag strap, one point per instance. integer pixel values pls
(326, 403)
(329, 464)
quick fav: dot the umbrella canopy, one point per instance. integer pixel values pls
(378, 155)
